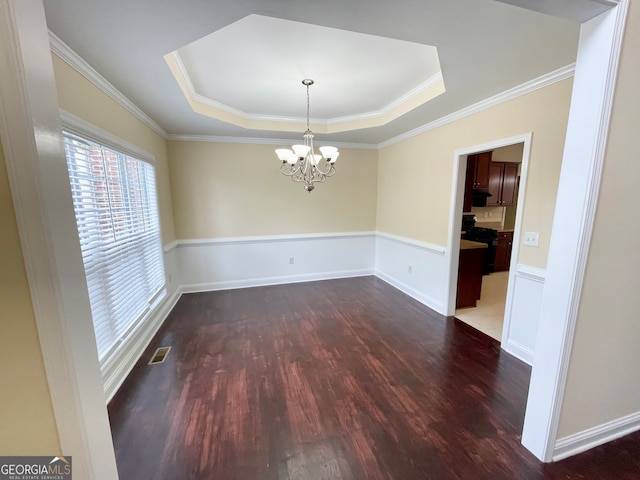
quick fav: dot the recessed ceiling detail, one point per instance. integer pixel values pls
(249, 74)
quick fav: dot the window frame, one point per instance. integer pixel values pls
(87, 131)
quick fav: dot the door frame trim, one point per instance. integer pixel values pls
(455, 215)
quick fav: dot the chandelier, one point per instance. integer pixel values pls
(301, 163)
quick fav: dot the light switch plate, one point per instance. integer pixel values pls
(531, 238)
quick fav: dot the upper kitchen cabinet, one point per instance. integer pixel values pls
(479, 163)
(503, 184)
(477, 178)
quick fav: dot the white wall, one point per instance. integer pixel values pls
(223, 263)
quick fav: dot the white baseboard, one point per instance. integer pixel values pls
(593, 437)
(519, 351)
(261, 282)
(403, 287)
(120, 365)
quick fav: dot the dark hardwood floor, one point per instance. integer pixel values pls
(340, 379)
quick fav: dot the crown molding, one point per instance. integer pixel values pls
(522, 89)
(76, 62)
(511, 94)
(264, 141)
(63, 51)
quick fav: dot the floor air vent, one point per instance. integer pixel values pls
(160, 355)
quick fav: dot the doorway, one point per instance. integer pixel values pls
(491, 218)
(492, 311)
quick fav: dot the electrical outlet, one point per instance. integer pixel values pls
(410, 269)
(169, 278)
(531, 238)
(290, 260)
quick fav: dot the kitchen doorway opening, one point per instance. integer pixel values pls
(490, 181)
(488, 217)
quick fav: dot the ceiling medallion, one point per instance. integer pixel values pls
(301, 163)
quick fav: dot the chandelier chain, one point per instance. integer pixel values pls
(308, 128)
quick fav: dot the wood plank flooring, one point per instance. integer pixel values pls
(336, 380)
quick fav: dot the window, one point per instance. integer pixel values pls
(114, 197)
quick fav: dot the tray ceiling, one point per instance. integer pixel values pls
(250, 74)
(484, 47)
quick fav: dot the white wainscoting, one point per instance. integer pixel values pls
(427, 281)
(225, 263)
(523, 312)
(115, 371)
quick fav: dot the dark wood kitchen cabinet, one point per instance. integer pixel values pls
(477, 178)
(503, 251)
(503, 184)
(480, 163)
(470, 270)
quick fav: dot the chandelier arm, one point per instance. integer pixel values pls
(298, 176)
(325, 172)
(321, 179)
(288, 169)
(318, 176)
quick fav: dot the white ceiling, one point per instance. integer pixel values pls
(263, 72)
(484, 47)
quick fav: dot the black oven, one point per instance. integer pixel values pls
(488, 236)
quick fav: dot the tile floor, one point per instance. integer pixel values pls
(488, 315)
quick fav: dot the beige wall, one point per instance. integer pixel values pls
(488, 215)
(510, 153)
(27, 422)
(233, 190)
(415, 175)
(603, 381)
(83, 99)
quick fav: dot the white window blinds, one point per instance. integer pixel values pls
(114, 197)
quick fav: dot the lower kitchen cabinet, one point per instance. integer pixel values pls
(470, 270)
(503, 251)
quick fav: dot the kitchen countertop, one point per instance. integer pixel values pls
(470, 245)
